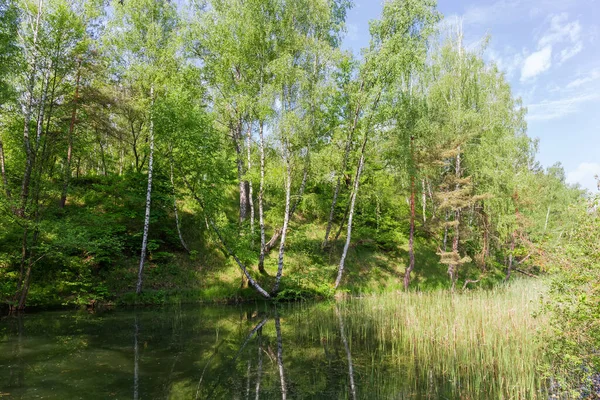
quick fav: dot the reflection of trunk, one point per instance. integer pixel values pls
(348, 354)
(17, 367)
(286, 217)
(148, 196)
(259, 368)
(257, 328)
(248, 370)
(280, 357)
(183, 244)
(67, 177)
(250, 197)
(261, 219)
(136, 360)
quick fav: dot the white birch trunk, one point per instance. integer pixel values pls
(286, 217)
(183, 244)
(338, 183)
(28, 109)
(424, 200)
(350, 216)
(3, 170)
(250, 189)
(148, 197)
(261, 219)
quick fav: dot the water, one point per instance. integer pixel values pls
(217, 352)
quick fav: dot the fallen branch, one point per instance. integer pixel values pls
(526, 273)
(469, 281)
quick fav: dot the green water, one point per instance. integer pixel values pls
(227, 352)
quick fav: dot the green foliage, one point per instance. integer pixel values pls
(574, 304)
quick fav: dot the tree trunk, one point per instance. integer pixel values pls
(547, 218)
(424, 200)
(411, 250)
(212, 224)
(286, 217)
(430, 193)
(30, 156)
(243, 185)
(350, 216)
(510, 256)
(183, 244)
(336, 191)
(354, 193)
(486, 240)
(138, 289)
(67, 177)
(250, 197)
(3, 170)
(453, 268)
(261, 219)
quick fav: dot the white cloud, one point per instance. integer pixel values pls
(509, 11)
(536, 63)
(569, 52)
(584, 175)
(561, 31)
(553, 109)
(507, 60)
(591, 76)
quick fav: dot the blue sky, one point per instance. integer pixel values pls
(550, 52)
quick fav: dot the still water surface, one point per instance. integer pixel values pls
(209, 352)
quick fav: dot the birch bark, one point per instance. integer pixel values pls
(148, 197)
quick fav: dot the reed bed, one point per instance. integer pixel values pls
(479, 344)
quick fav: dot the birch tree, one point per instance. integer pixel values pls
(144, 36)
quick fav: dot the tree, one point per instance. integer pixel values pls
(144, 35)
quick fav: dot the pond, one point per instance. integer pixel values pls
(397, 348)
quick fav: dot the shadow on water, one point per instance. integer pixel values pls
(257, 352)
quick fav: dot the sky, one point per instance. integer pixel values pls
(549, 51)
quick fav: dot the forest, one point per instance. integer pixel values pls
(228, 151)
